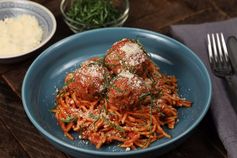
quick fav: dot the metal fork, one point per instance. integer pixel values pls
(218, 55)
(221, 63)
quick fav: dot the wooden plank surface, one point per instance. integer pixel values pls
(19, 138)
(20, 131)
(9, 147)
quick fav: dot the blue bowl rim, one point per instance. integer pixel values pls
(54, 24)
(103, 153)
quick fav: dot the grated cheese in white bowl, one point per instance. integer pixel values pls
(19, 35)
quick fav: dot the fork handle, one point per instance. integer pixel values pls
(232, 88)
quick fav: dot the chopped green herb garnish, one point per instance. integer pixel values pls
(93, 116)
(99, 62)
(69, 119)
(144, 95)
(105, 109)
(108, 64)
(142, 47)
(157, 74)
(160, 93)
(106, 80)
(151, 107)
(69, 81)
(94, 13)
(107, 121)
(117, 89)
(113, 125)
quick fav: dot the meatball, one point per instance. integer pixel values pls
(127, 55)
(88, 82)
(126, 90)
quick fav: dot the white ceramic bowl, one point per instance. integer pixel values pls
(46, 20)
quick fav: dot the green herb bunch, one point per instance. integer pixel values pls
(93, 12)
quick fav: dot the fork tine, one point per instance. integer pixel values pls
(214, 47)
(220, 47)
(210, 53)
(218, 55)
(224, 48)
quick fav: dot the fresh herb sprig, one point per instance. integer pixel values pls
(107, 121)
(69, 119)
(93, 12)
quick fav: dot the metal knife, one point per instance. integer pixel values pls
(232, 79)
(232, 48)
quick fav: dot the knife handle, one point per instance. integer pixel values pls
(232, 89)
(232, 48)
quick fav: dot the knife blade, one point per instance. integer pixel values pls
(232, 48)
(232, 79)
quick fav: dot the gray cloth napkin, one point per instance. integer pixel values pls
(224, 116)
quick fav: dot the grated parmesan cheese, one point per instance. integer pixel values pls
(137, 83)
(134, 55)
(93, 71)
(131, 49)
(19, 35)
(133, 81)
(127, 149)
(126, 74)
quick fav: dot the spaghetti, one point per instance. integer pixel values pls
(115, 98)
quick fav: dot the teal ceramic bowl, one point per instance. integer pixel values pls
(47, 73)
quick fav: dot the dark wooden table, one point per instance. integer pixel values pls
(19, 138)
